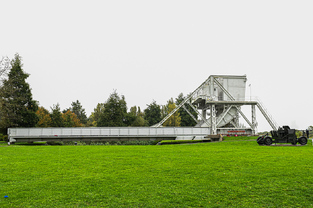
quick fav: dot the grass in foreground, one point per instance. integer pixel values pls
(221, 174)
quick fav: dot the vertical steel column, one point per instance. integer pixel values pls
(211, 96)
(204, 113)
(212, 108)
(213, 120)
(254, 123)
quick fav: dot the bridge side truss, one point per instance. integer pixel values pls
(223, 113)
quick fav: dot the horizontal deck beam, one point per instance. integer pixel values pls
(102, 133)
(235, 102)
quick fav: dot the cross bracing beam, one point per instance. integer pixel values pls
(224, 90)
(267, 116)
(207, 97)
(224, 114)
(182, 103)
(199, 114)
(190, 114)
(243, 115)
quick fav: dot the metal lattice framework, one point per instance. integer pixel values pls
(222, 96)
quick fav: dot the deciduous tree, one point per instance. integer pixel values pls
(44, 118)
(70, 119)
(65, 119)
(4, 69)
(175, 119)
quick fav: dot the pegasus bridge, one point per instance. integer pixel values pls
(105, 134)
(217, 102)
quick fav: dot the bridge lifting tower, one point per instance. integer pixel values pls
(221, 97)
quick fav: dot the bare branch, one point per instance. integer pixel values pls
(4, 68)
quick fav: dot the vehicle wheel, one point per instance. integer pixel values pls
(294, 142)
(268, 141)
(303, 140)
(259, 140)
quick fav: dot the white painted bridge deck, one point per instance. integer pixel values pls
(103, 133)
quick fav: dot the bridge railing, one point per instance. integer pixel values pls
(103, 132)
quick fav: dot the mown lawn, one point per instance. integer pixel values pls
(221, 174)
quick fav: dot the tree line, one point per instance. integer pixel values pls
(19, 109)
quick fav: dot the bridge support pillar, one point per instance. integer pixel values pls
(254, 122)
(213, 120)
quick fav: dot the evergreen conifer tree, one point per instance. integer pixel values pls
(17, 107)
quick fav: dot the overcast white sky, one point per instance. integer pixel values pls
(154, 50)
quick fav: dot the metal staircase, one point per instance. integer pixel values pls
(267, 115)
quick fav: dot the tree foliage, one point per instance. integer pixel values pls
(152, 114)
(18, 109)
(70, 119)
(114, 112)
(44, 118)
(136, 117)
(56, 116)
(95, 116)
(175, 119)
(186, 119)
(310, 128)
(78, 109)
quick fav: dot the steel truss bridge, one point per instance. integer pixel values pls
(220, 97)
(105, 133)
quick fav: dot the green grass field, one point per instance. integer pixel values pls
(220, 174)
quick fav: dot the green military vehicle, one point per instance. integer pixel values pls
(284, 135)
